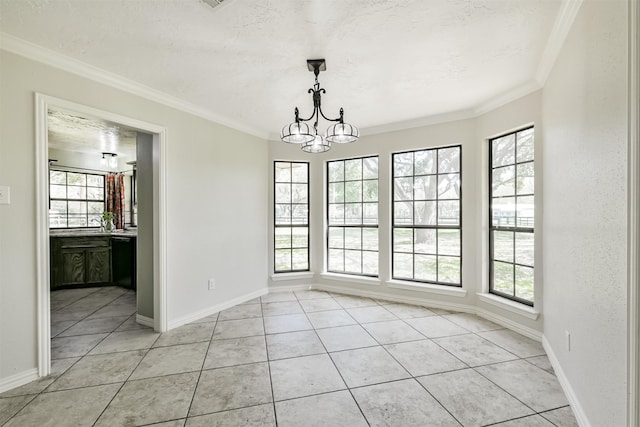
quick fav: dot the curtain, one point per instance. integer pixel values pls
(115, 198)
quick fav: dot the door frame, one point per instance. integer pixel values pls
(633, 242)
(42, 104)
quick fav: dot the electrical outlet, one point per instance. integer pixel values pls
(212, 284)
(568, 336)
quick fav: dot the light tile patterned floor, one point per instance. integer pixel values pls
(306, 358)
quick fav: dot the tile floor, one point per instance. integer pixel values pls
(306, 358)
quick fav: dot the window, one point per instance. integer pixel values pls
(427, 235)
(352, 197)
(511, 211)
(291, 228)
(76, 199)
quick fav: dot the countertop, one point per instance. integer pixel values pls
(129, 232)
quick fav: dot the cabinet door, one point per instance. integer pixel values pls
(73, 266)
(98, 265)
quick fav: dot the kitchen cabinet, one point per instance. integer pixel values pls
(78, 261)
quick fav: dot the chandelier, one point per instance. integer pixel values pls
(307, 136)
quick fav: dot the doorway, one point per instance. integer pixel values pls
(152, 138)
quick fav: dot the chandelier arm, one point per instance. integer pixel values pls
(339, 119)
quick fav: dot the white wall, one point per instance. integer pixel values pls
(216, 196)
(585, 206)
(469, 133)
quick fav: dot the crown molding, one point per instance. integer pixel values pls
(507, 97)
(49, 57)
(564, 20)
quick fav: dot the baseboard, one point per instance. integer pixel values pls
(144, 320)
(576, 407)
(285, 288)
(510, 324)
(395, 298)
(16, 380)
(215, 309)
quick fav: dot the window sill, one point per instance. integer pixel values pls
(425, 287)
(512, 306)
(351, 278)
(279, 277)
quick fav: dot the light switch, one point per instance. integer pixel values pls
(4, 195)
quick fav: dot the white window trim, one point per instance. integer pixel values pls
(509, 305)
(453, 291)
(353, 278)
(279, 277)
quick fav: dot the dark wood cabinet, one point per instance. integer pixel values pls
(77, 261)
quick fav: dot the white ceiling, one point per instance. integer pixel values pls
(82, 134)
(388, 61)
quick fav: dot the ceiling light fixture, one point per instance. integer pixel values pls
(109, 159)
(307, 136)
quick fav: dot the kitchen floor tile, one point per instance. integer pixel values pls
(473, 399)
(94, 326)
(245, 311)
(186, 334)
(98, 370)
(330, 319)
(366, 366)
(531, 385)
(436, 326)
(392, 331)
(474, 350)
(175, 359)
(401, 403)
(83, 406)
(406, 311)
(424, 357)
(64, 347)
(279, 308)
(294, 344)
(515, 343)
(286, 323)
(371, 314)
(472, 322)
(253, 416)
(231, 388)
(304, 376)
(150, 400)
(319, 304)
(238, 328)
(337, 409)
(345, 338)
(138, 339)
(236, 351)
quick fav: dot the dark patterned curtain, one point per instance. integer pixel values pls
(115, 198)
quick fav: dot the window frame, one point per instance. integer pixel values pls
(515, 229)
(307, 225)
(345, 226)
(435, 227)
(85, 200)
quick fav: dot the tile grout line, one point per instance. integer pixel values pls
(266, 348)
(146, 351)
(334, 363)
(204, 360)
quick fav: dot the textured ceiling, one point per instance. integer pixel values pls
(81, 134)
(388, 61)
